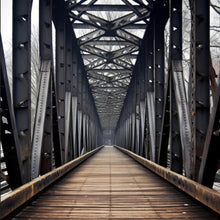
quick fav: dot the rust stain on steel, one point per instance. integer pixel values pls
(203, 194)
(19, 196)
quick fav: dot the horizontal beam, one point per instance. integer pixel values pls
(109, 42)
(18, 197)
(91, 56)
(87, 26)
(203, 194)
(103, 8)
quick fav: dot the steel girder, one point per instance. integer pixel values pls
(94, 71)
(176, 54)
(109, 46)
(171, 100)
(22, 79)
(199, 86)
(41, 160)
(9, 136)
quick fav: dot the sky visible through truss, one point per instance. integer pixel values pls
(109, 34)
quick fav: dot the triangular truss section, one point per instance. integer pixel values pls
(109, 34)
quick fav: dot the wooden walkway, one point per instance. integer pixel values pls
(111, 185)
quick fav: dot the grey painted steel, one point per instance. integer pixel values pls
(74, 125)
(9, 135)
(137, 134)
(102, 7)
(40, 118)
(159, 77)
(45, 44)
(67, 123)
(142, 117)
(211, 152)
(175, 12)
(151, 118)
(79, 122)
(60, 81)
(199, 86)
(22, 78)
(133, 132)
(183, 115)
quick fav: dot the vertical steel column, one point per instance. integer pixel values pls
(56, 139)
(79, 121)
(142, 101)
(83, 113)
(22, 78)
(60, 79)
(45, 31)
(75, 63)
(137, 112)
(133, 118)
(200, 78)
(159, 76)
(68, 98)
(211, 152)
(175, 54)
(165, 125)
(150, 89)
(9, 135)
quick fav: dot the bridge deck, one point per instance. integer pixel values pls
(111, 185)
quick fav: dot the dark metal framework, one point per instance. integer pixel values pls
(107, 84)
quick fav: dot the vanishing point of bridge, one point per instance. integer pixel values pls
(110, 73)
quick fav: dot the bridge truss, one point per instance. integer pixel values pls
(108, 84)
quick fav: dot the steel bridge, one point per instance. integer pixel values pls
(110, 78)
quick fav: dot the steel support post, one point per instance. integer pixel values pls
(60, 80)
(175, 54)
(79, 119)
(150, 89)
(211, 152)
(200, 95)
(165, 129)
(75, 64)
(22, 78)
(68, 95)
(161, 92)
(137, 113)
(45, 31)
(56, 139)
(175, 141)
(142, 101)
(133, 120)
(159, 77)
(9, 135)
(84, 103)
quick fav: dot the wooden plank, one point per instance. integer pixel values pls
(111, 185)
(16, 198)
(203, 194)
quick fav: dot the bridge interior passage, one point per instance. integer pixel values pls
(113, 73)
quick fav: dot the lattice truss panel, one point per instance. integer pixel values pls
(109, 34)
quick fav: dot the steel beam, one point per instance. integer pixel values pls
(150, 89)
(199, 87)
(211, 152)
(9, 135)
(40, 118)
(160, 22)
(99, 7)
(175, 54)
(22, 78)
(60, 79)
(45, 31)
(68, 95)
